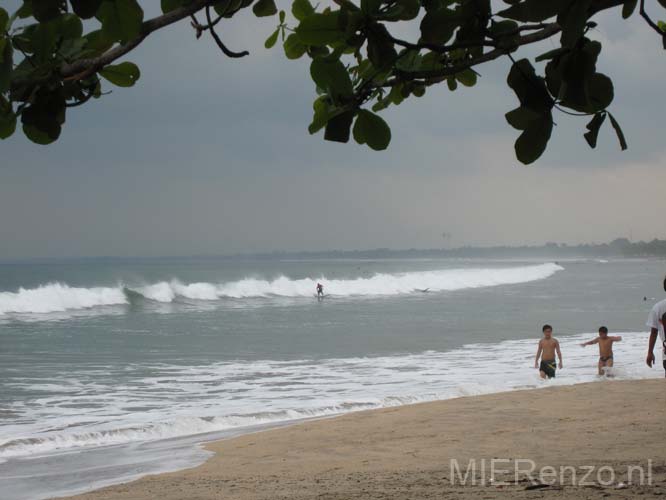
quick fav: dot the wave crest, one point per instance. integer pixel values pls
(58, 297)
(380, 284)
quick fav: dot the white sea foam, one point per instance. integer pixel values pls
(380, 284)
(57, 297)
(177, 400)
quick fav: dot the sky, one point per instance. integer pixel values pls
(210, 155)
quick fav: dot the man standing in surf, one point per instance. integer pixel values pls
(655, 321)
(548, 346)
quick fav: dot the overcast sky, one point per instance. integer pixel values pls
(209, 155)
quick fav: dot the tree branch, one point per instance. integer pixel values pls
(546, 32)
(203, 27)
(85, 67)
(650, 22)
(223, 48)
(442, 49)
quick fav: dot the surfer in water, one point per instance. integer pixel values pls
(320, 291)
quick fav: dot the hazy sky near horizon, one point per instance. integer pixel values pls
(209, 155)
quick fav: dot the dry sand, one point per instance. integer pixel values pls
(405, 452)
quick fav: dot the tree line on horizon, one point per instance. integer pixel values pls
(619, 247)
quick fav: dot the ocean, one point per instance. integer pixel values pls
(115, 368)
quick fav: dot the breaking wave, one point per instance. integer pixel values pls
(185, 400)
(58, 297)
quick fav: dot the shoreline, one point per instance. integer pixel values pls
(406, 451)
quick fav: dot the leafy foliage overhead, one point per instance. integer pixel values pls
(58, 54)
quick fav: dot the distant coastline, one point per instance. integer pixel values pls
(618, 248)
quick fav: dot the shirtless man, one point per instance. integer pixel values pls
(605, 349)
(548, 346)
(657, 323)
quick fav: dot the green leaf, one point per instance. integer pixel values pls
(628, 8)
(45, 10)
(534, 10)
(121, 19)
(438, 26)
(618, 132)
(371, 129)
(24, 11)
(7, 119)
(381, 52)
(264, 8)
(7, 126)
(503, 28)
(43, 118)
(419, 90)
(451, 83)
(85, 9)
(600, 91)
(370, 7)
(124, 74)
(573, 22)
(169, 5)
(227, 8)
(301, 9)
(4, 20)
(521, 117)
(338, 127)
(98, 41)
(320, 29)
(323, 112)
(593, 129)
(409, 61)
(69, 26)
(466, 77)
(37, 136)
(533, 141)
(530, 89)
(332, 76)
(6, 65)
(293, 48)
(272, 40)
(402, 10)
(72, 47)
(43, 39)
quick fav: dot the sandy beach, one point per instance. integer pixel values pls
(597, 430)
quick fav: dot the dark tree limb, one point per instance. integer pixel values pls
(218, 41)
(83, 68)
(649, 20)
(203, 27)
(543, 34)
